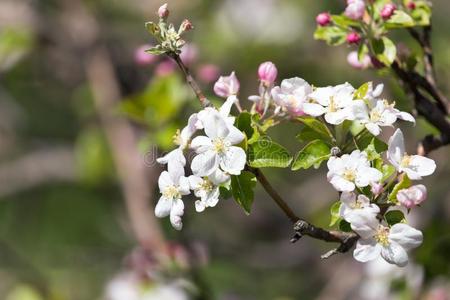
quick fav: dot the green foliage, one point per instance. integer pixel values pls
(373, 145)
(13, 44)
(248, 124)
(311, 155)
(321, 130)
(361, 92)
(242, 187)
(266, 153)
(385, 50)
(404, 183)
(344, 21)
(344, 226)
(422, 13)
(399, 19)
(394, 216)
(333, 35)
(334, 212)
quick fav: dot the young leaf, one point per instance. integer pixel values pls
(311, 155)
(394, 216)
(345, 226)
(385, 50)
(242, 187)
(333, 35)
(334, 211)
(318, 127)
(361, 92)
(344, 21)
(266, 153)
(399, 19)
(404, 183)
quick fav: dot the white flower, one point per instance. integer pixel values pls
(207, 189)
(182, 139)
(172, 185)
(381, 113)
(412, 196)
(216, 148)
(224, 112)
(335, 102)
(291, 95)
(415, 166)
(391, 243)
(352, 170)
(227, 86)
(352, 206)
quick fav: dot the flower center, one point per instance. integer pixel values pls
(349, 174)
(171, 192)
(375, 115)
(356, 205)
(219, 145)
(332, 106)
(177, 138)
(292, 101)
(406, 161)
(382, 236)
(206, 186)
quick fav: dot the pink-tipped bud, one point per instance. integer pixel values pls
(208, 73)
(143, 58)
(376, 188)
(388, 10)
(186, 25)
(355, 9)
(267, 73)
(412, 196)
(411, 5)
(226, 86)
(163, 11)
(353, 60)
(353, 38)
(323, 19)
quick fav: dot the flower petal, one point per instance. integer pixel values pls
(313, 109)
(373, 128)
(176, 213)
(337, 117)
(235, 136)
(424, 166)
(365, 223)
(367, 175)
(234, 160)
(366, 250)
(406, 236)
(183, 186)
(341, 184)
(215, 126)
(395, 254)
(201, 144)
(163, 207)
(164, 180)
(200, 205)
(396, 148)
(205, 163)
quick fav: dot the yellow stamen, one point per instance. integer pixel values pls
(219, 145)
(406, 161)
(382, 236)
(349, 174)
(171, 192)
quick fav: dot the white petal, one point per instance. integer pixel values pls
(424, 166)
(395, 254)
(322, 95)
(199, 206)
(163, 207)
(366, 250)
(373, 128)
(205, 163)
(348, 198)
(183, 186)
(363, 199)
(213, 197)
(365, 223)
(226, 106)
(176, 170)
(335, 164)
(378, 90)
(176, 213)
(341, 184)
(201, 144)
(406, 117)
(194, 182)
(187, 132)
(235, 136)
(367, 175)
(219, 177)
(360, 110)
(234, 160)
(164, 180)
(215, 126)
(174, 155)
(396, 148)
(337, 117)
(313, 109)
(406, 236)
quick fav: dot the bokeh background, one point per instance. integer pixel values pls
(83, 116)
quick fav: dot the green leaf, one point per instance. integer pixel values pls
(157, 50)
(421, 14)
(245, 122)
(404, 183)
(333, 35)
(225, 193)
(394, 216)
(307, 134)
(362, 51)
(385, 50)
(318, 127)
(311, 155)
(374, 149)
(387, 171)
(361, 92)
(344, 21)
(242, 187)
(399, 19)
(266, 153)
(345, 226)
(152, 28)
(334, 211)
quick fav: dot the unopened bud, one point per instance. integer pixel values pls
(323, 19)
(353, 38)
(412, 196)
(411, 5)
(387, 11)
(163, 12)
(267, 73)
(376, 188)
(355, 9)
(186, 25)
(226, 86)
(353, 60)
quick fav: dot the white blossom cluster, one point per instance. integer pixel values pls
(216, 158)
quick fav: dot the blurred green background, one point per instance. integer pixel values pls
(64, 227)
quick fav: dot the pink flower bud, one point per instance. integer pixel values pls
(323, 19)
(355, 9)
(353, 38)
(163, 12)
(411, 5)
(226, 86)
(188, 54)
(208, 73)
(165, 68)
(376, 188)
(186, 25)
(353, 60)
(387, 11)
(143, 58)
(412, 196)
(267, 73)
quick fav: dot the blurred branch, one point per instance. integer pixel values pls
(301, 227)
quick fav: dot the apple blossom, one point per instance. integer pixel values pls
(353, 38)
(224, 112)
(355, 9)
(323, 19)
(207, 189)
(387, 11)
(216, 148)
(186, 25)
(376, 188)
(391, 243)
(227, 86)
(379, 115)
(335, 102)
(415, 166)
(350, 171)
(267, 73)
(291, 95)
(353, 60)
(172, 185)
(353, 205)
(163, 11)
(412, 196)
